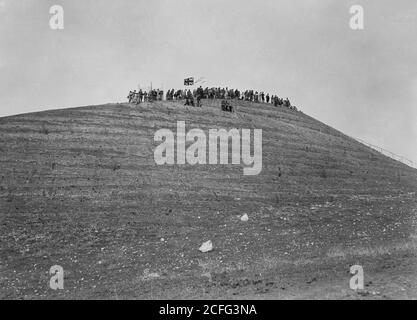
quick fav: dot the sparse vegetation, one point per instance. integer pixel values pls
(317, 192)
(44, 130)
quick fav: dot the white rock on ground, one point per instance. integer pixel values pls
(206, 246)
(147, 275)
(244, 218)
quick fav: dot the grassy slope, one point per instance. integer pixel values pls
(79, 188)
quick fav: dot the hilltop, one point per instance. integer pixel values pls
(80, 188)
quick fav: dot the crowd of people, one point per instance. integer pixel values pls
(194, 97)
(145, 96)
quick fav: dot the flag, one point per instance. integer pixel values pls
(189, 81)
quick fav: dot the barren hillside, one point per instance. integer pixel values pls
(80, 188)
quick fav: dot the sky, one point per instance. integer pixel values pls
(361, 82)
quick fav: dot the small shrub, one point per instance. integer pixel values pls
(44, 130)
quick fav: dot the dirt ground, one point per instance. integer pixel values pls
(79, 188)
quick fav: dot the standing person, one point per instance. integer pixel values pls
(287, 103)
(267, 98)
(200, 95)
(129, 97)
(137, 98)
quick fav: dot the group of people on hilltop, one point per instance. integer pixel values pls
(194, 97)
(145, 96)
(226, 93)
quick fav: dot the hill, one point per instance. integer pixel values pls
(80, 188)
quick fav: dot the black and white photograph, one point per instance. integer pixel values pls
(221, 152)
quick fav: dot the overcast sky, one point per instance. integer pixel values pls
(363, 83)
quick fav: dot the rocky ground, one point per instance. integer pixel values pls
(79, 188)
